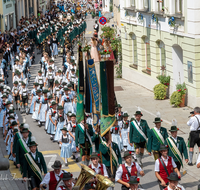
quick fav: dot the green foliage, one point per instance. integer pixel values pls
(111, 8)
(176, 98)
(86, 48)
(181, 88)
(160, 91)
(164, 79)
(119, 70)
(108, 32)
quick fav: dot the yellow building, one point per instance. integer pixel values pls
(164, 34)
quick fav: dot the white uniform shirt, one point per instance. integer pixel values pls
(182, 188)
(15, 89)
(198, 160)
(46, 179)
(50, 75)
(120, 170)
(97, 170)
(40, 79)
(193, 123)
(24, 91)
(157, 163)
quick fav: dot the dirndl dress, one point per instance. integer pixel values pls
(51, 127)
(1, 117)
(43, 110)
(117, 139)
(67, 105)
(73, 141)
(124, 134)
(55, 49)
(33, 101)
(66, 151)
(47, 118)
(9, 143)
(58, 131)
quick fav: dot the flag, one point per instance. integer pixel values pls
(80, 89)
(94, 84)
(108, 96)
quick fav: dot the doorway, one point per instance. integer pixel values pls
(177, 60)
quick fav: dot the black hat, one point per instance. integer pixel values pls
(60, 107)
(163, 147)
(32, 143)
(67, 176)
(16, 82)
(36, 84)
(94, 155)
(134, 180)
(157, 120)
(64, 129)
(57, 164)
(22, 125)
(138, 113)
(127, 153)
(13, 123)
(24, 130)
(89, 186)
(174, 177)
(39, 71)
(173, 129)
(119, 106)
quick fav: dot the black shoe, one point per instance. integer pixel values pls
(73, 157)
(66, 164)
(76, 159)
(51, 138)
(190, 164)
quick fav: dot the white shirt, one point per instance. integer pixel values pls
(177, 186)
(193, 123)
(157, 163)
(46, 179)
(97, 170)
(120, 170)
(175, 139)
(33, 154)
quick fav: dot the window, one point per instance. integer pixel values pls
(162, 57)
(11, 20)
(134, 49)
(132, 3)
(145, 4)
(160, 4)
(147, 53)
(178, 6)
(6, 22)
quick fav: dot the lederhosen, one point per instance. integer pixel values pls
(24, 97)
(16, 97)
(40, 79)
(50, 81)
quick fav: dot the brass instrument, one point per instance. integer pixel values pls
(178, 188)
(103, 183)
(85, 175)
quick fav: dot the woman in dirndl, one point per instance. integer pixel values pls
(116, 135)
(52, 118)
(33, 97)
(55, 45)
(50, 98)
(65, 141)
(67, 101)
(43, 107)
(36, 105)
(3, 109)
(60, 118)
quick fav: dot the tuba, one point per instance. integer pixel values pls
(85, 175)
(103, 183)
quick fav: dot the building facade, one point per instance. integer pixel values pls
(116, 12)
(7, 15)
(162, 34)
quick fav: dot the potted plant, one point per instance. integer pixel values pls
(178, 97)
(140, 17)
(172, 22)
(160, 91)
(154, 18)
(166, 81)
(86, 48)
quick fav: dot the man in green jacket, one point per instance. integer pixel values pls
(138, 135)
(32, 159)
(177, 147)
(105, 147)
(156, 137)
(83, 141)
(22, 148)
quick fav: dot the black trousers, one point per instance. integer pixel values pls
(178, 165)
(108, 168)
(161, 187)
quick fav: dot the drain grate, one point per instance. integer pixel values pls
(118, 88)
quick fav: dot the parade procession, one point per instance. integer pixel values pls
(63, 126)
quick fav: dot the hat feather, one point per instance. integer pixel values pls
(138, 108)
(33, 139)
(174, 122)
(24, 120)
(158, 114)
(26, 126)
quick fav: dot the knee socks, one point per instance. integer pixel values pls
(191, 155)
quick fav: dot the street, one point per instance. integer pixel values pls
(130, 96)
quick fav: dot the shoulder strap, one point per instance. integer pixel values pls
(198, 122)
(164, 166)
(128, 171)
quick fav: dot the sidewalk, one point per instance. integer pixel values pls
(133, 95)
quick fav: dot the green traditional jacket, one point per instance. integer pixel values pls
(181, 146)
(106, 154)
(39, 160)
(20, 152)
(80, 135)
(153, 142)
(62, 40)
(134, 135)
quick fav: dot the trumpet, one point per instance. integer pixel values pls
(85, 175)
(178, 188)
